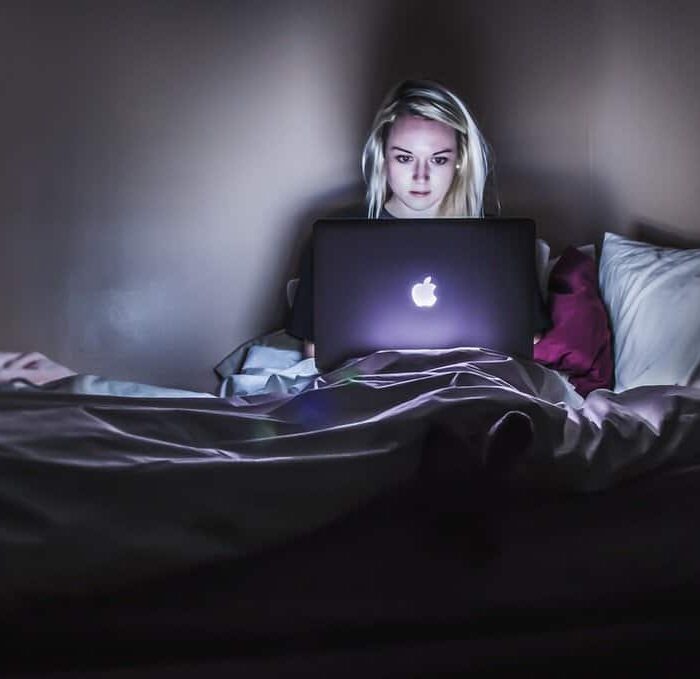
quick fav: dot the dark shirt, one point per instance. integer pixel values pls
(300, 322)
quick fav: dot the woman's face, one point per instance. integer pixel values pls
(420, 161)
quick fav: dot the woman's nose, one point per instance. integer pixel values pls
(422, 171)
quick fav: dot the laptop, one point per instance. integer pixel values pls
(422, 284)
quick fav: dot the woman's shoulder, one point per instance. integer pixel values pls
(354, 211)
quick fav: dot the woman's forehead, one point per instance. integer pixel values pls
(415, 133)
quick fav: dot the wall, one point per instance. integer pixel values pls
(162, 161)
(647, 136)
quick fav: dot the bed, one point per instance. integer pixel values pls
(353, 522)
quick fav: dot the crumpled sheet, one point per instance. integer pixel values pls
(270, 370)
(36, 372)
(95, 385)
(101, 490)
(30, 367)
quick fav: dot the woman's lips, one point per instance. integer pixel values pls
(420, 193)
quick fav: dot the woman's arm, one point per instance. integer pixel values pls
(300, 321)
(309, 349)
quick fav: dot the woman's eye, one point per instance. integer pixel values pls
(403, 159)
(440, 160)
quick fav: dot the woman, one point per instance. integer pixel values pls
(424, 138)
(425, 157)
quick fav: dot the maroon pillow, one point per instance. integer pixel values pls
(579, 343)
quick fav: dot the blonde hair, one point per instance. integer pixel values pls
(432, 101)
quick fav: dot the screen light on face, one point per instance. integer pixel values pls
(423, 294)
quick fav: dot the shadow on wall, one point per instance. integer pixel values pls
(561, 204)
(324, 204)
(663, 235)
(421, 44)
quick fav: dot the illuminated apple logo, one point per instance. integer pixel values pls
(423, 294)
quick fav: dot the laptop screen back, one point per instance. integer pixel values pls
(422, 284)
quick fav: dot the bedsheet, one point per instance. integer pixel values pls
(269, 370)
(99, 490)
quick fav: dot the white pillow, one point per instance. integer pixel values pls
(292, 285)
(541, 259)
(653, 298)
